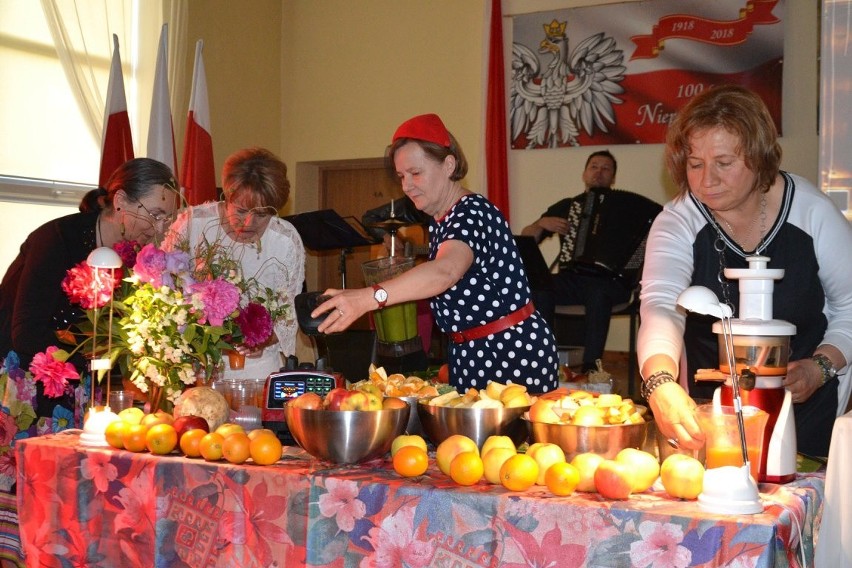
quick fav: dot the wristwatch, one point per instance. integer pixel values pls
(826, 366)
(380, 295)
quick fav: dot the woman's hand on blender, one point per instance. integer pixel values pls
(343, 307)
(803, 378)
(673, 413)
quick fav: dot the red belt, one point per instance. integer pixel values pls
(493, 327)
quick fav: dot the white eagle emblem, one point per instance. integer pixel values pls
(576, 90)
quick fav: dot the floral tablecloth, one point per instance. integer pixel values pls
(103, 507)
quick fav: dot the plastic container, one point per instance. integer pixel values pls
(722, 443)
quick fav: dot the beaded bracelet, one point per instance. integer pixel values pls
(654, 381)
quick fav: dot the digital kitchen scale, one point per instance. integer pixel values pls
(292, 380)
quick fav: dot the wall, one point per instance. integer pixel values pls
(350, 72)
(242, 59)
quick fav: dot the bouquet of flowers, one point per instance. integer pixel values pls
(175, 314)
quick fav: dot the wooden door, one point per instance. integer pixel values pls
(352, 191)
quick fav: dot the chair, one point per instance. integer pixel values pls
(629, 308)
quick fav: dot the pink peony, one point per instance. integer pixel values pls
(89, 286)
(150, 265)
(255, 323)
(52, 372)
(220, 299)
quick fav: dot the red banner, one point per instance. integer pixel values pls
(718, 32)
(584, 76)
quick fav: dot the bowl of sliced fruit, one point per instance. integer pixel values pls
(587, 422)
(409, 388)
(477, 414)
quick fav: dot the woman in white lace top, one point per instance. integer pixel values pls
(268, 248)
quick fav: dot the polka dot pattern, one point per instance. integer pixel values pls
(494, 286)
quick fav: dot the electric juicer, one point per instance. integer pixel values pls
(761, 349)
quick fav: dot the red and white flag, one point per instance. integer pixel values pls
(197, 173)
(117, 140)
(161, 136)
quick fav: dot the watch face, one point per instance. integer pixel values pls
(381, 295)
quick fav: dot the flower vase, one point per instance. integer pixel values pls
(157, 400)
(236, 360)
(206, 376)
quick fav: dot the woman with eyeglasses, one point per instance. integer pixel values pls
(268, 249)
(137, 205)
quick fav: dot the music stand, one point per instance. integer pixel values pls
(326, 230)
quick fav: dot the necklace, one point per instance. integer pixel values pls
(745, 238)
(99, 239)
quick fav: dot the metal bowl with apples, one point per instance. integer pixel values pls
(346, 436)
(604, 429)
(476, 415)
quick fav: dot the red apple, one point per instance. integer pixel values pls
(309, 400)
(184, 424)
(334, 397)
(613, 479)
(356, 400)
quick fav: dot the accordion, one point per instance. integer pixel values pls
(608, 229)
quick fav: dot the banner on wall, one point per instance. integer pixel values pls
(617, 73)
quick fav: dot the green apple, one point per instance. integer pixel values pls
(407, 440)
(370, 388)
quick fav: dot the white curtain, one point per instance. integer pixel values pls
(836, 102)
(82, 34)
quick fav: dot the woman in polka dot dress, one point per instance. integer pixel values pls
(474, 278)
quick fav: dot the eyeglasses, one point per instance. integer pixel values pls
(160, 218)
(259, 213)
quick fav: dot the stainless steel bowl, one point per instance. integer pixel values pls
(441, 422)
(346, 436)
(606, 440)
(414, 426)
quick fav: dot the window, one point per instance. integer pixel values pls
(50, 148)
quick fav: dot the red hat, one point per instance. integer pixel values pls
(427, 127)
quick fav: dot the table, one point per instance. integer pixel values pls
(106, 507)
(835, 538)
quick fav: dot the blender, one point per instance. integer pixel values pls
(761, 347)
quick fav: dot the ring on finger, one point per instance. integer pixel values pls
(673, 443)
(340, 312)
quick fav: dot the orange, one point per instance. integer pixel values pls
(410, 461)
(562, 478)
(134, 438)
(210, 446)
(190, 442)
(252, 434)
(114, 431)
(519, 473)
(235, 448)
(161, 439)
(265, 449)
(467, 468)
